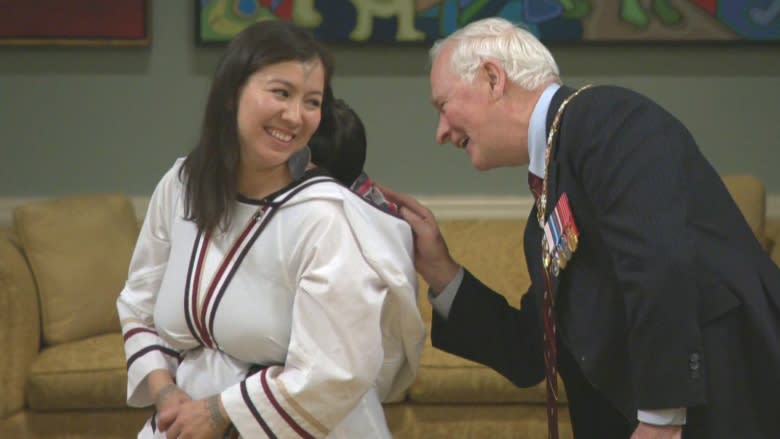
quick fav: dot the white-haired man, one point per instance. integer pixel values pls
(650, 295)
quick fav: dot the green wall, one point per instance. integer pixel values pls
(114, 119)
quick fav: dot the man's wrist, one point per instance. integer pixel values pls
(442, 277)
(663, 417)
(442, 303)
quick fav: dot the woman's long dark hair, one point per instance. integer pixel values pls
(210, 171)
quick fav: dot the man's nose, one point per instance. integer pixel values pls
(442, 131)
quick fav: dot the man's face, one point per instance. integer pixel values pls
(464, 113)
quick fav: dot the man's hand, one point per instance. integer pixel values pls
(201, 419)
(647, 431)
(431, 256)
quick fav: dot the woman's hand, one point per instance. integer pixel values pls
(201, 419)
(170, 396)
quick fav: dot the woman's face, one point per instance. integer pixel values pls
(278, 111)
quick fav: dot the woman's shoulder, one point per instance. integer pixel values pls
(316, 197)
(172, 178)
(319, 189)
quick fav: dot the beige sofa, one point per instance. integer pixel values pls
(62, 371)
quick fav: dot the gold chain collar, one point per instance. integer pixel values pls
(541, 202)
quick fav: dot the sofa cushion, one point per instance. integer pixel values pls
(446, 378)
(491, 421)
(69, 424)
(85, 374)
(79, 250)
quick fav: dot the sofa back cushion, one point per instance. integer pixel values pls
(492, 249)
(79, 251)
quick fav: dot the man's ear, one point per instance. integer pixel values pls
(495, 76)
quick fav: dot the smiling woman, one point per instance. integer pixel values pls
(265, 74)
(260, 302)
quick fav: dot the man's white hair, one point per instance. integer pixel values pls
(528, 63)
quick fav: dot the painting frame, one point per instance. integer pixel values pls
(662, 22)
(76, 23)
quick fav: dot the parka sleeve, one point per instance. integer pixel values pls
(144, 348)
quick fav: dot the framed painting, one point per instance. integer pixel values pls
(423, 21)
(74, 22)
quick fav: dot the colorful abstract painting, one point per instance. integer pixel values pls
(423, 21)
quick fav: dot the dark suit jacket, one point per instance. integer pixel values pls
(669, 300)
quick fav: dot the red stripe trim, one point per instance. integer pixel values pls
(290, 421)
(220, 273)
(220, 292)
(363, 188)
(146, 350)
(188, 289)
(569, 214)
(251, 406)
(196, 287)
(135, 331)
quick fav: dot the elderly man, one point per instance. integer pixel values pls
(650, 296)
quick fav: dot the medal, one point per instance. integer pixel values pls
(572, 240)
(545, 254)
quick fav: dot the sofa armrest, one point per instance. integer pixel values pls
(20, 324)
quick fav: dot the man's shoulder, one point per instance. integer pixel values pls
(612, 93)
(598, 103)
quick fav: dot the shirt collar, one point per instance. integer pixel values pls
(537, 127)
